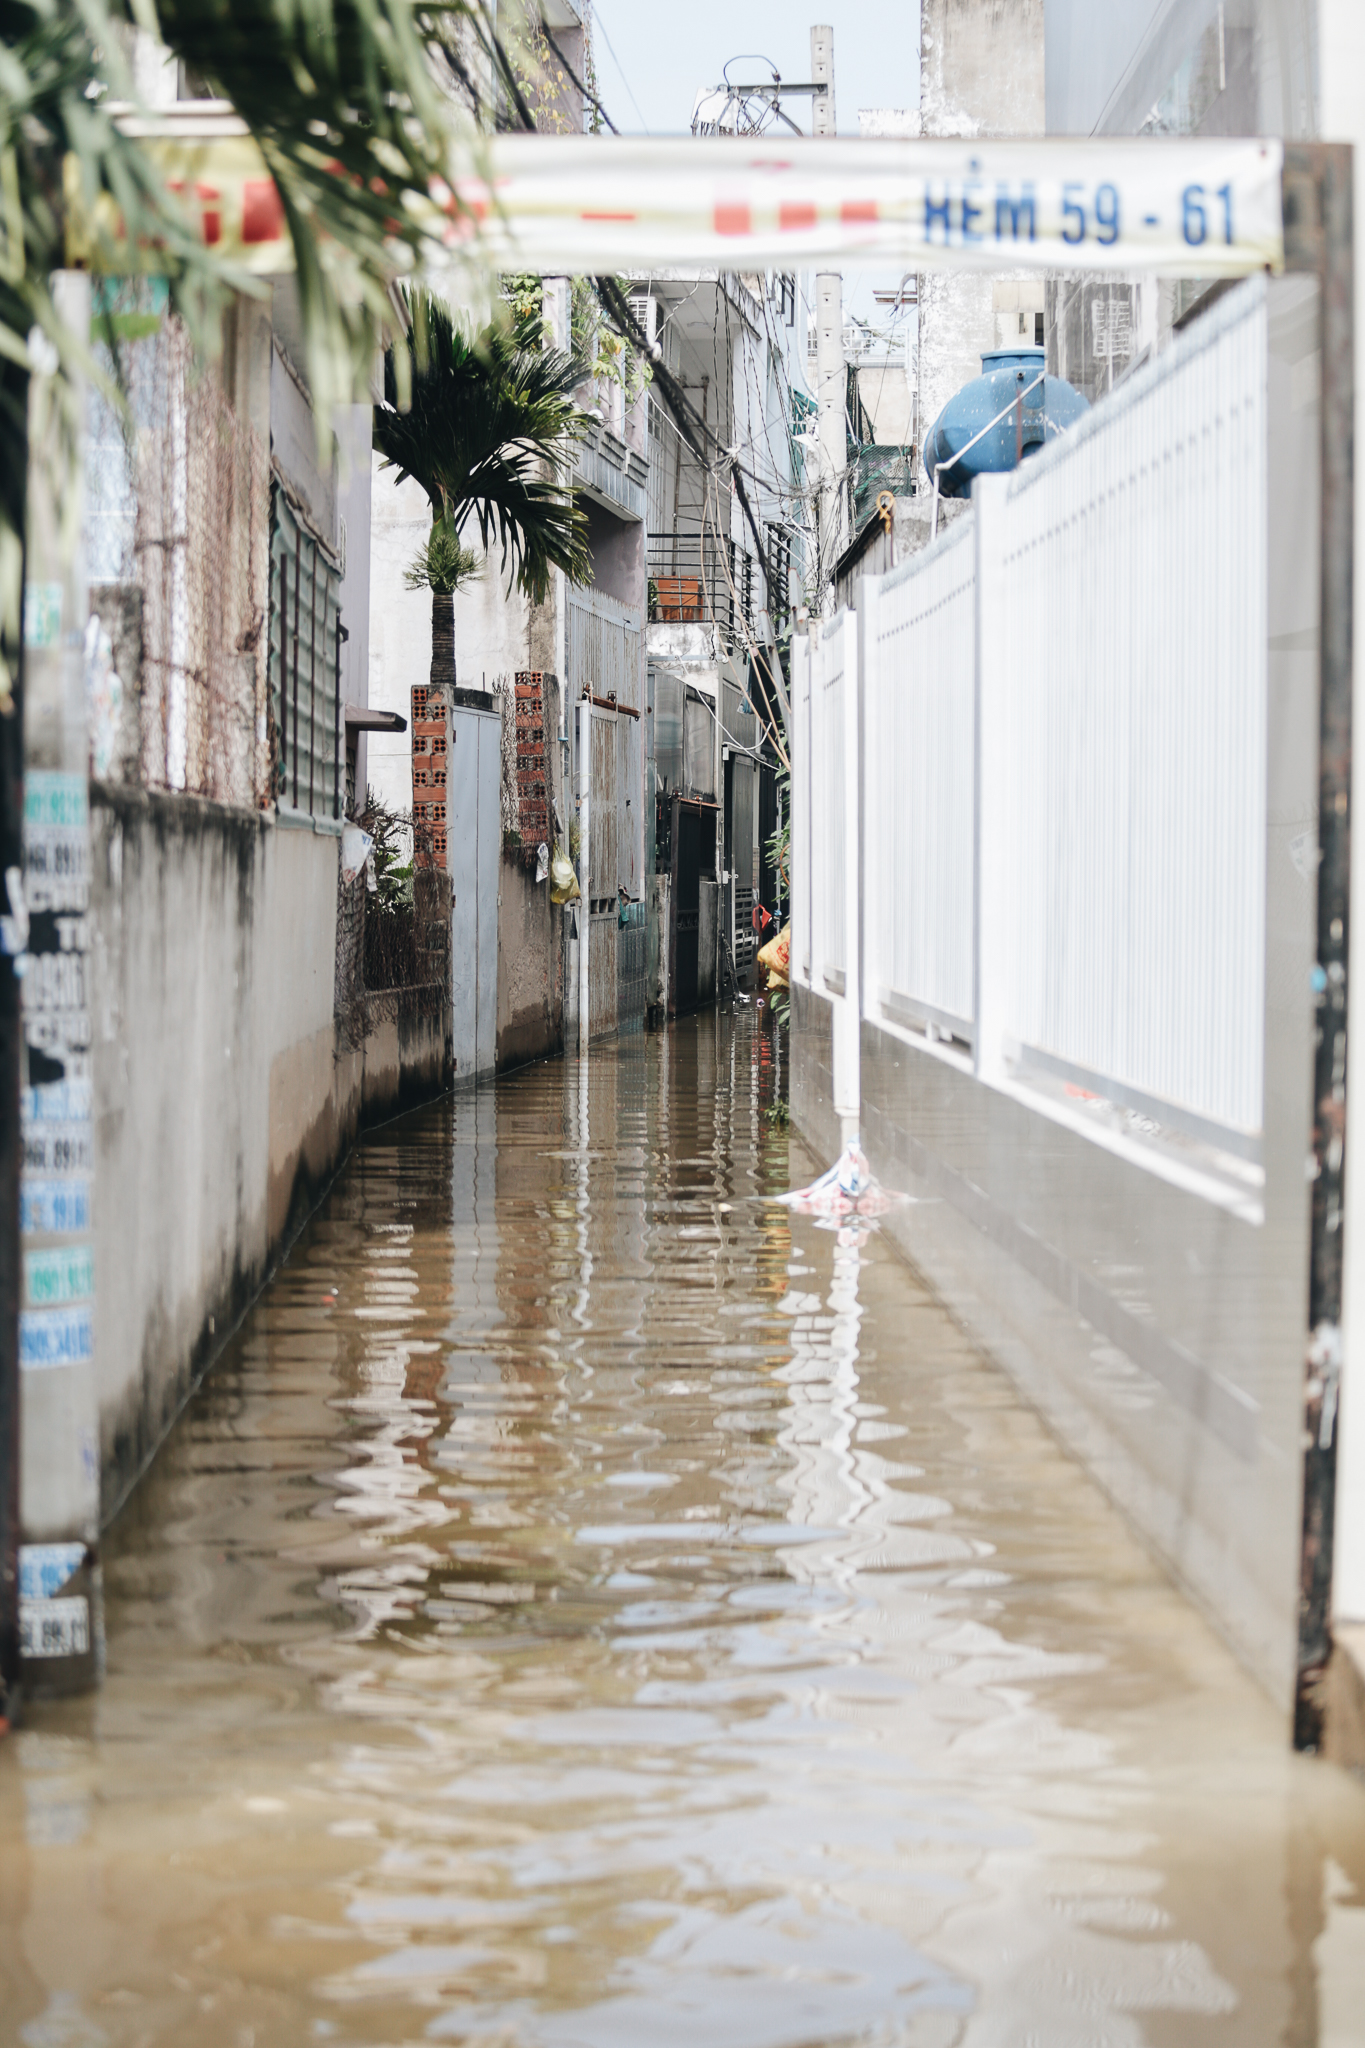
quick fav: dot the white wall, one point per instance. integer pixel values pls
(492, 630)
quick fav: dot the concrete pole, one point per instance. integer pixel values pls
(59, 1581)
(830, 376)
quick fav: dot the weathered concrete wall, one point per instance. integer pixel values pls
(981, 73)
(224, 1101)
(708, 927)
(530, 967)
(981, 67)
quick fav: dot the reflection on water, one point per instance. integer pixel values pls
(588, 1607)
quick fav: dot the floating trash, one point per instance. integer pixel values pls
(849, 1189)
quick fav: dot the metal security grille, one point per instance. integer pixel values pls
(606, 795)
(1132, 736)
(779, 545)
(630, 967)
(1064, 787)
(745, 944)
(532, 787)
(305, 670)
(604, 647)
(177, 538)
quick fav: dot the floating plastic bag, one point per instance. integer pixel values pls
(563, 881)
(850, 1188)
(356, 848)
(542, 861)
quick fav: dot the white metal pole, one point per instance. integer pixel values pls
(583, 728)
(993, 936)
(847, 1007)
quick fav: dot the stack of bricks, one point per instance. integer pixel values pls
(533, 801)
(428, 780)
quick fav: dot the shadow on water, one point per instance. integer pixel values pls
(589, 1607)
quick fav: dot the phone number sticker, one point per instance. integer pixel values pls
(55, 1628)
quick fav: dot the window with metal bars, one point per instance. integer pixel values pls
(305, 665)
(779, 567)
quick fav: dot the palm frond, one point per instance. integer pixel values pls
(487, 417)
(59, 60)
(343, 100)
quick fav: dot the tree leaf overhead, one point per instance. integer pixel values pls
(345, 100)
(348, 102)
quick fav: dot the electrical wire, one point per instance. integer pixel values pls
(694, 431)
(621, 68)
(590, 97)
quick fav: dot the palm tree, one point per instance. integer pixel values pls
(487, 417)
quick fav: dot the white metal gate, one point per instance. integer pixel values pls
(474, 835)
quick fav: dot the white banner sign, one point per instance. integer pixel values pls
(585, 203)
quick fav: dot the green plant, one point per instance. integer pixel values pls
(443, 565)
(609, 358)
(541, 79)
(779, 843)
(392, 873)
(524, 292)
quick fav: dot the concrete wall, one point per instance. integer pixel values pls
(708, 942)
(1158, 1334)
(530, 967)
(1108, 66)
(495, 633)
(223, 1099)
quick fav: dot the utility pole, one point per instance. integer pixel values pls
(830, 375)
(60, 1622)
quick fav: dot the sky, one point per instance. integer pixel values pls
(651, 59)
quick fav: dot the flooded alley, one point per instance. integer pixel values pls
(586, 1607)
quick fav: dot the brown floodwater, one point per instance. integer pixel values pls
(587, 1607)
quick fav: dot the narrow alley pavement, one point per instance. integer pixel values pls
(587, 1607)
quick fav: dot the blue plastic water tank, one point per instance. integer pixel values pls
(1048, 407)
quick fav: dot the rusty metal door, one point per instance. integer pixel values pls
(605, 850)
(604, 870)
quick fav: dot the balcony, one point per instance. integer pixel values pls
(611, 473)
(696, 580)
